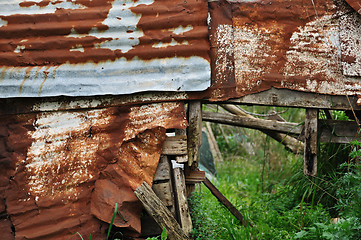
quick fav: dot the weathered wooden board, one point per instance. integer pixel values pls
(160, 213)
(181, 200)
(175, 145)
(194, 132)
(290, 98)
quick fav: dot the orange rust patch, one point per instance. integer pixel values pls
(60, 169)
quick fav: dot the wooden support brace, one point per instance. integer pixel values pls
(194, 132)
(254, 123)
(310, 152)
(156, 208)
(225, 202)
(181, 200)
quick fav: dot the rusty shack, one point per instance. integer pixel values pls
(100, 96)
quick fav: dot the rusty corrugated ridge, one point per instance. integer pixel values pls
(355, 4)
(86, 48)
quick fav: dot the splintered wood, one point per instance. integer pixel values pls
(160, 213)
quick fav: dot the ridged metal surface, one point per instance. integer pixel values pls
(355, 4)
(309, 46)
(63, 172)
(85, 48)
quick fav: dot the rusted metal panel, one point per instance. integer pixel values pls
(86, 48)
(294, 45)
(355, 4)
(63, 172)
(350, 36)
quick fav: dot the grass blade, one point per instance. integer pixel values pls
(112, 221)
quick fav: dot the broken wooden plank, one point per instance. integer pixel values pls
(291, 98)
(225, 202)
(181, 200)
(160, 213)
(175, 145)
(310, 152)
(194, 132)
(254, 123)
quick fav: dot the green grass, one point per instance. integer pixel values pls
(267, 185)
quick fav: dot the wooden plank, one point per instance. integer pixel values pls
(290, 98)
(194, 132)
(175, 145)
(160, 213)
(337, 131)
(225, 202)
(164, 191)
(182, 158)
(163, 170)
(181, 200)
(254, 123)
(217, 155)
(310, 152)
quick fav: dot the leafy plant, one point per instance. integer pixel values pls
(163, 236)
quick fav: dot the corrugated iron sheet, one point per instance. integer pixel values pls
(63, 172)
(310, 46)
(99, 47)
(355, 4)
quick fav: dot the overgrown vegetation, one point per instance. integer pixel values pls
(267, 185)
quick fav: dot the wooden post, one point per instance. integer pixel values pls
(181, 200)
(156, 208)
(194, 132)
(225, 202)
(310, 152)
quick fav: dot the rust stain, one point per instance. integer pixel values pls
(45, 39)
(74, 166)
(26, 77)
(45, 78)
(284, 44)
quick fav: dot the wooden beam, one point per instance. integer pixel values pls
(225, 202)
(156, 208)
(254, 123)
(194, 132)
(291, 98)
(310, 152)
(181, 200)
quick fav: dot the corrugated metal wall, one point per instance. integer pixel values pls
(99, 47)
